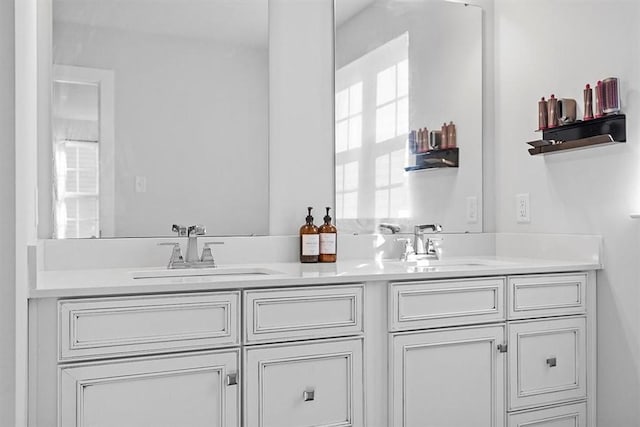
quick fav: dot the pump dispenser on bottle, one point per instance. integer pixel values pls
(309, 240)
(328, 237)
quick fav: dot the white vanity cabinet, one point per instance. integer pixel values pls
(490, 352)
(313, 381)
(495, 351)
(447, 377)
(103, 383)
(184, 360)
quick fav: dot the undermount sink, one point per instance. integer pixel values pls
(202, 272)
(441, 263)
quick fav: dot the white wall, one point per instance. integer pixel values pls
(191, 115)
(557, 46)
(7, 216)
(301, 111)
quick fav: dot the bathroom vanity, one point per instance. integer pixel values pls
(461, 342)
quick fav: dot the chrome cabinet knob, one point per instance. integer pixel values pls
(232, 379)
(551, 361)
(309, 395)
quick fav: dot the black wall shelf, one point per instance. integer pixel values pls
(605, 130)
(445, 158)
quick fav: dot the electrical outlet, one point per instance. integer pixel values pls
(472, 209)
(523, 212)
(141, 184)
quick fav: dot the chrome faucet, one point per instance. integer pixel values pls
(420, 246)
(192, 245)
(192, 260)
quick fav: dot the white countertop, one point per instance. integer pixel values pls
(118, 281)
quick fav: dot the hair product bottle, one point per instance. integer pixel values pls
(451, 136)
(552, 115)
(328, 240)
(444, 142)
(588, 102)
(599, 99)
(309, 240)
(542, 114)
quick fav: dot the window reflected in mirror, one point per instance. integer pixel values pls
(372, 111)
(81, 135)
(403, 67)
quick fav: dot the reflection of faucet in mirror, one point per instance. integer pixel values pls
(394, 228)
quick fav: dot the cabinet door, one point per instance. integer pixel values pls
(547, 362)
(448, 378)
(194, 391)
(314, 384)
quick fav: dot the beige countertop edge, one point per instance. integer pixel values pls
(110, 282)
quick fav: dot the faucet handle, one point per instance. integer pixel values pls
(207, 254)
(196, 230)
(176, 254)
(433, 246)
(180, 229)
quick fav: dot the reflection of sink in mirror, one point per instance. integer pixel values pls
(202, 272)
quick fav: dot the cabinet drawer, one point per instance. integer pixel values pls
(317, 384)
(299, 313)
(547, 362)
(547, 295)
(562, 416)
(435, 303)
(95, 327)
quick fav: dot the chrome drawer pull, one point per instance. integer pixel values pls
(232, 379)
(309, 395)
(551, 362)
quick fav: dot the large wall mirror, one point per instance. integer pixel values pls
(403, 66)
(159, 115)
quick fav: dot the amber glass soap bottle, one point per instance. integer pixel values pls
(328, 240)
(309, 240)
